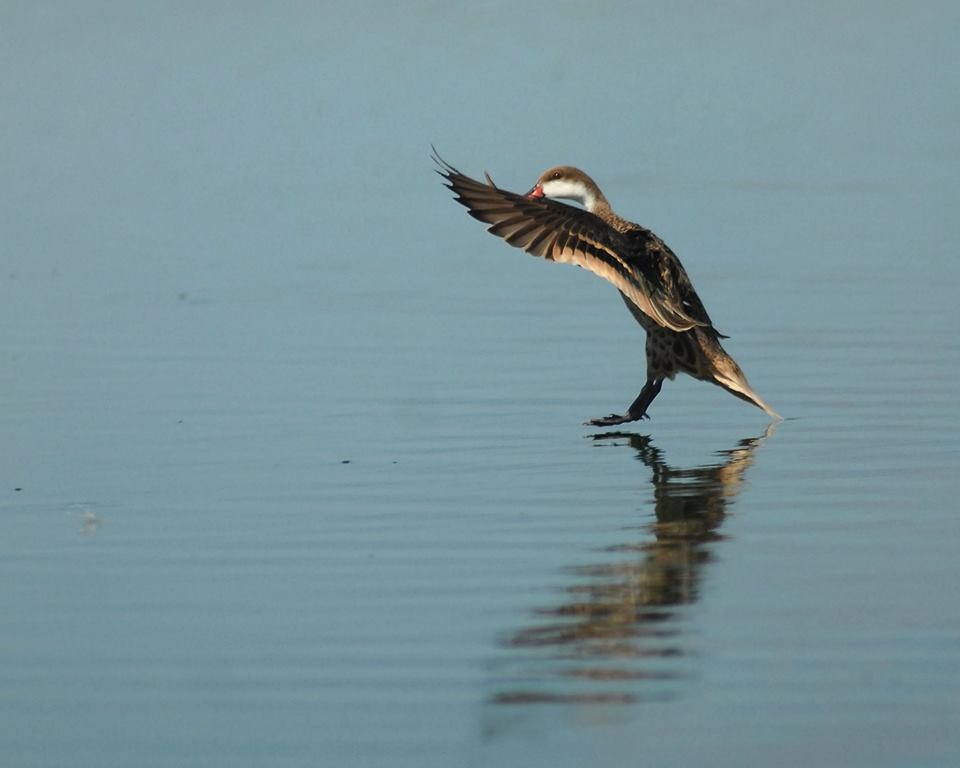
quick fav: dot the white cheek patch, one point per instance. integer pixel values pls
(564, 189)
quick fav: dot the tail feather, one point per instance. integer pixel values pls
(736, 384)
(717, 366)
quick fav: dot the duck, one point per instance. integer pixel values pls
(680, 336)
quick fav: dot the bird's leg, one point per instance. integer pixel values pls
(637, 409)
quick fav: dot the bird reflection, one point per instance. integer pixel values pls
(617, 634)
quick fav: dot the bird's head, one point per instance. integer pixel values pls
(565, 182)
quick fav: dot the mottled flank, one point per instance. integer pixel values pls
(652, 281)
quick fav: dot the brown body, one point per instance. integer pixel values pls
(652, 281)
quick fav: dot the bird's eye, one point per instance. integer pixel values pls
(556, 175)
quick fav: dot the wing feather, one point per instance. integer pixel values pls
(638, 263)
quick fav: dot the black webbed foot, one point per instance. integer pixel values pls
(637, 409)
(613, 419)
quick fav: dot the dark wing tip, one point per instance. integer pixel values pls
(448, 171)
(444, 169)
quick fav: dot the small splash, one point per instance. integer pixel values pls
(91, 523)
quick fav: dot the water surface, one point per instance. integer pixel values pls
(293, 463)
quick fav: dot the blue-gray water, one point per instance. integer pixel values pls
(293, 470)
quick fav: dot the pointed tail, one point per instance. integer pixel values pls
(736, 383)
(724, 371)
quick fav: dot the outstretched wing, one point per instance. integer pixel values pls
(558, 232)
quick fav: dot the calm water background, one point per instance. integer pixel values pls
(293, 470)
